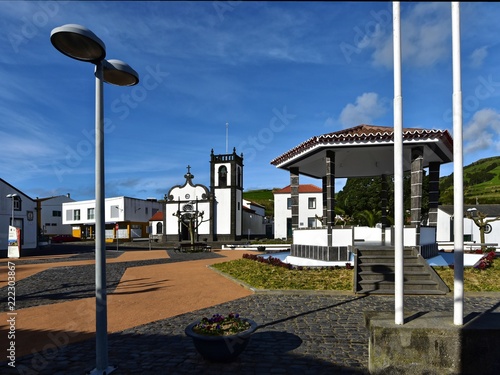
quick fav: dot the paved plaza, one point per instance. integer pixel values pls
(154, 295)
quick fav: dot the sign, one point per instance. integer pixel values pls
(14, 245)
(117, 226)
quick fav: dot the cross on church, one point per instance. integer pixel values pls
(189, 169)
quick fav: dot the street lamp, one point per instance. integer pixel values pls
(81, 44)
(13, 196)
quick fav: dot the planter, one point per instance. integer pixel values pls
(221, 348)
(261, 248)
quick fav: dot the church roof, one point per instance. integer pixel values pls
(365, 150)
(157, 216)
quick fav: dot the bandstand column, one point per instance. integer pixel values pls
(417, 176)
(383, 204)
(294, 187)
(329, 193)
(433, 193)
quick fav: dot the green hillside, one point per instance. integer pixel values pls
(263, 197)
(481, 183)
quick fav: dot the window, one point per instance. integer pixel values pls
(17, 203)
(159, 228)
(311, 222)
(289, 203)
(56, 213)
(90, 213)
(76, 215)
(223, 176)
(115, 211)
(311, 203)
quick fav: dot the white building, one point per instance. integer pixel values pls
(50, 215)
(310, 203)
(126, 218)
(471, 230)
(22, 209)
(216, 212)
(255, 222)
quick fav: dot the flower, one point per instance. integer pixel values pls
(219, 325)
(486, 261)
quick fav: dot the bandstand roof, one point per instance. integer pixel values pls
(365, 150)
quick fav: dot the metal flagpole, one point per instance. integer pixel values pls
(458, 178)
(227, 137)
(398, 169)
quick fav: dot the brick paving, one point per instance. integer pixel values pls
(298, 333)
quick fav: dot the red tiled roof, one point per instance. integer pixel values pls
(157, 216)
(306, 188)
(364, 134)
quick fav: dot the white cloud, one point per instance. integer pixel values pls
(482, 131)
(477, 57)
(425, 37)
(367, 108)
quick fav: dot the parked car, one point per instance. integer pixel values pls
(64, 238)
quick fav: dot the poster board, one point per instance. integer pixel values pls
(14, 243)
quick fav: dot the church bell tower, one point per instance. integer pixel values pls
(226, 185)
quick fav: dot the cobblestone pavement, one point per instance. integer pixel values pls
(298, 333)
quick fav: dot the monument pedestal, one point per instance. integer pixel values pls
(429, 343)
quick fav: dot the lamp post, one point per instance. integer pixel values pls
(12, 196)
(81, 44)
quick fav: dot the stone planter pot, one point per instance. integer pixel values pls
(220, 348)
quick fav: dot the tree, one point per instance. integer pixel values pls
(364, 194)
(482, 223)
(359, 194)
(369, 218)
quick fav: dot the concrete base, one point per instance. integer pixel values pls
(429, 343)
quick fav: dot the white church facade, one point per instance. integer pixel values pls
(211, 213)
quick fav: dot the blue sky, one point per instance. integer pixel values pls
(278, 73)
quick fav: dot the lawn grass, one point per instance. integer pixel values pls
(266, 276)
(475, 280)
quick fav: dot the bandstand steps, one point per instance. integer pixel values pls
(375, 273)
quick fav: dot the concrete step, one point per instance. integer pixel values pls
(385, 258)
(388, 267)
(375, 273)
(389, 284)
(382, 252)
(407, 292)
(408, 275)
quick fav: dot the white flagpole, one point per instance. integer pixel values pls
(458, 178)
(398, 170)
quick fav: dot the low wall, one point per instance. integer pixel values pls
(429, 343)
(325, 253)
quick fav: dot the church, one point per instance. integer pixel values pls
(217, 213)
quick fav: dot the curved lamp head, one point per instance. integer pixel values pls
(119, 73)
(78, 42)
